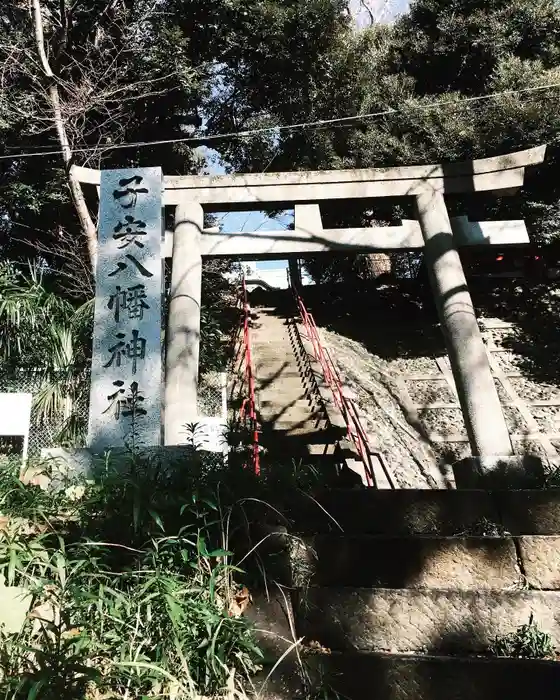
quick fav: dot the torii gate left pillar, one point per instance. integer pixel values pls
(183, 326)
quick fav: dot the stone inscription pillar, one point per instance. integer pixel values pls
(125, 400)
(183, 327)
(482, 412)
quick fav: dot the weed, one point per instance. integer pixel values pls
(528, 642)
(483, 527)
(131, 586)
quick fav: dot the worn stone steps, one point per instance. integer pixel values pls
(408, 620)
(278, 382)
(281, 363)
(303, 403)
(295, 422)
(307, 434)
(300, 423)
(398, 512)
(451, 673)
(402, 595)
(362, 572)
(419, 511)
(293, 414)
(361, 676)
(421, 561)
(453, 563)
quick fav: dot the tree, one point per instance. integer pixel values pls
(442, 51)
(92, 74)
(72, 74)
(140, 71)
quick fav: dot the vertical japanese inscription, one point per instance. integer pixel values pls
(125, 399)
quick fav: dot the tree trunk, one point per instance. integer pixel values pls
(88, 227)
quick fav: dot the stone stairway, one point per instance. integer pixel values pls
(398, 595)
(294, 419)
(388, 594)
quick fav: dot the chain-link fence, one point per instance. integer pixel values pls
(43, 434)
(212, 395)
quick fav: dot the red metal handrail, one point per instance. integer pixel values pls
(345, 405)
(248, 410)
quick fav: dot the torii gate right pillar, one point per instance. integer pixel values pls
(482, 412)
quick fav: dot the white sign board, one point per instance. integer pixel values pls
(125, 399)
(15, 414)
(15, 417)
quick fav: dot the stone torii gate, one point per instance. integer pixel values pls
(433, 231)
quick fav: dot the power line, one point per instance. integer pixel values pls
(287, 127)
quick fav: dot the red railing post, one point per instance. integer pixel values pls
(346, 406)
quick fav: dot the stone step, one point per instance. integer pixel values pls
(355, 675)
(395, 512)
(272, 345)
(531, 511)
(265, 372)
(302, 403)
(431, 621)
(302, 428)
(296, 408)
(426, 511)
(270, 337)
(281, 392)
(452, 563)
(303, 422)
(366, 676)
(308, 432)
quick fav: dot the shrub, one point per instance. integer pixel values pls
(131, 587)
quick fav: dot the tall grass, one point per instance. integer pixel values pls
(131, 584)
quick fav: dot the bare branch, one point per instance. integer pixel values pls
(80, 205)
(364, 5)
(82, 93)
(74, 265)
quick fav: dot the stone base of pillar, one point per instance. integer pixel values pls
(60, 466)
(518, 472)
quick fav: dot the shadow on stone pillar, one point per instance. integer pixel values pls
(183, 326)
(489, 439)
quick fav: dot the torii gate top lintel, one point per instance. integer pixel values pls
(496, 173)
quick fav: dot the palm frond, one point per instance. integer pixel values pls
(44, 332)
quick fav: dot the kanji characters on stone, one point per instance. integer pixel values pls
(132, 300)
(134, 349)
(127, 194)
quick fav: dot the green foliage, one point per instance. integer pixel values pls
(143, 71)
(219, 314)
(46, 334)
(270, 63)
(131, 582)
(439, 51)
(527, 642)
(459, 44)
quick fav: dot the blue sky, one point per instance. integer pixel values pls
(384, 11)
